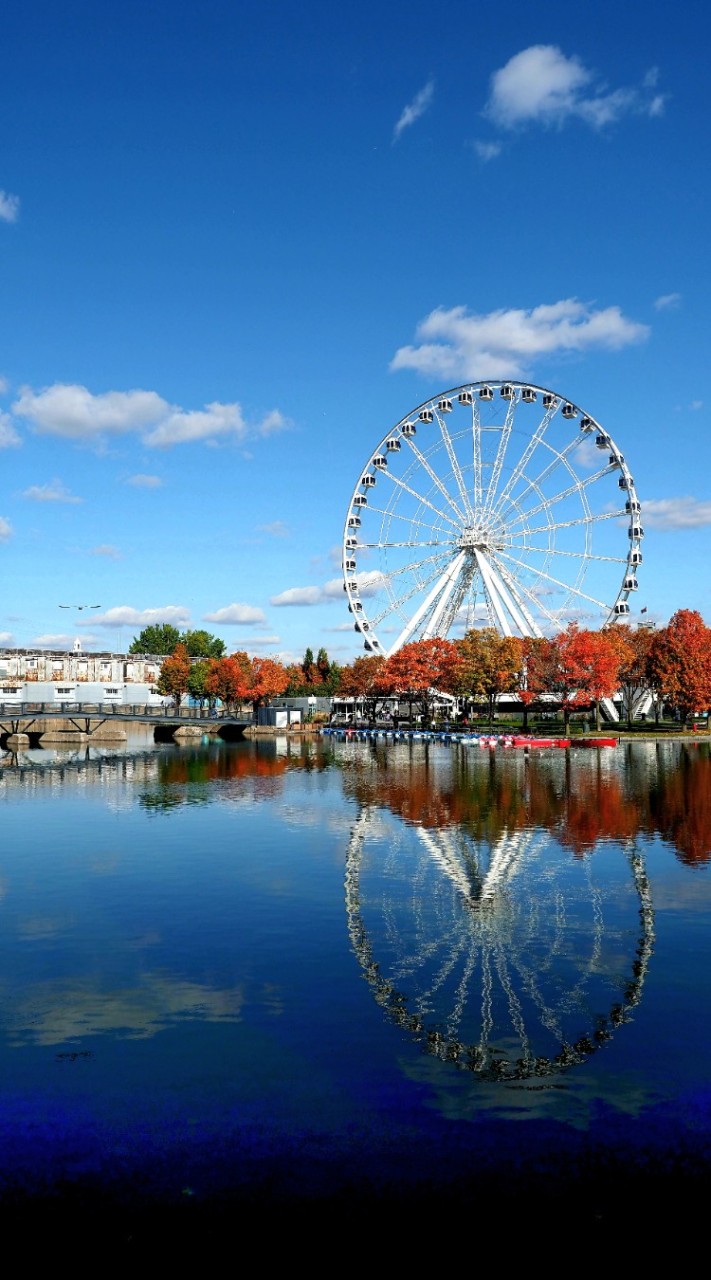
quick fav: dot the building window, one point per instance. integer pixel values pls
(60, 690)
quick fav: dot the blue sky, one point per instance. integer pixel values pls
(239, 242)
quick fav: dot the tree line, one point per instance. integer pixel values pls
(577, 669)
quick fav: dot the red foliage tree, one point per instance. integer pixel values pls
(680, 662)
(229, 679)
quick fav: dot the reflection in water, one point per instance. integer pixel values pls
(488, 929)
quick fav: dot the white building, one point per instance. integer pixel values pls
(52, 676)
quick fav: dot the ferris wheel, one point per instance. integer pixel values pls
(511, 960)
(497, 504)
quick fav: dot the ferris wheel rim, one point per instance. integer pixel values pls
(450, 509)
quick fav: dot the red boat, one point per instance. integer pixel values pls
(542, 742)
(597, 742)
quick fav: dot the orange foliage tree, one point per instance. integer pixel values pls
(175, 675)
(363, 679)
(229, 679)
(268, 679)
(489, 665)
(420, 669)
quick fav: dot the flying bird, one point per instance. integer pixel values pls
(80, 606)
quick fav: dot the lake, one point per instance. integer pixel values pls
(271, 980)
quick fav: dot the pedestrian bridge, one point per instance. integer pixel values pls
(90, 718)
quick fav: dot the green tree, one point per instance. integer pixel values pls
(201, 644)
(159, 639)
(196, 681)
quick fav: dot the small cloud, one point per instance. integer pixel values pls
(142, 481)
(9, 207)
(414, 109)
(297, 596)
(696, 405)
(8, 434)
(3, 386)
(454, 343)
(487, 150)
(5, 529)
(111, 553)
(676, 513)
(540, 85)
(668, 302)
(264, 642)
(48, 641)
(237, 615)
(7, 639)
(55, 491)
(277, 529)
(125, 616)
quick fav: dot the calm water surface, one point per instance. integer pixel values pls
(355, 974)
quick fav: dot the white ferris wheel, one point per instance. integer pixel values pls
(498, 504)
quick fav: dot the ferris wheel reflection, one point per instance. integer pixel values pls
(511, 959)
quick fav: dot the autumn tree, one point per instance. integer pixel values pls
(489, 665)
(229, 679)
(420, 669)
(175, 675)
(363, 680)
(268, 678)
(680, 662)
(539, 664)
(636, 677)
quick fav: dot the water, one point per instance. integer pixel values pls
(275, 977)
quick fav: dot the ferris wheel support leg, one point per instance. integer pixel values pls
(449, 576)
(529, 627)
(499, 596)
(432, 628)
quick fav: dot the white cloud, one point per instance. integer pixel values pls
(277, 529)
(9, 207)
(263, 642)
(73, 412)
(111, 553)
(125, 616)
(48, 641)
(368, 584)
(7, 638)
(55, 491)
(668, 302)
(238, 615)
(3, 385)
(297, 596)
(142, 481)
(540, 85)
(8, 434)
(455, 344)
(487, 150)
(676, 513)
(414, 109)
(696, 405)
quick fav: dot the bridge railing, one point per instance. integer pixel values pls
(136, 711)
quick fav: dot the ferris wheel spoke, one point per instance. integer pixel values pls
(393, 546)
(560, 457)
(570, 555)
(394, 604)
(454, 463)
(424, 502)
(476, 453)
(565, 586)
(462, 589)
(578, 488)
(504, 438)
(423, 462)
(527, 454)
(572, 524)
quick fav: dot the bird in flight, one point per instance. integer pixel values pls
(80, 606)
